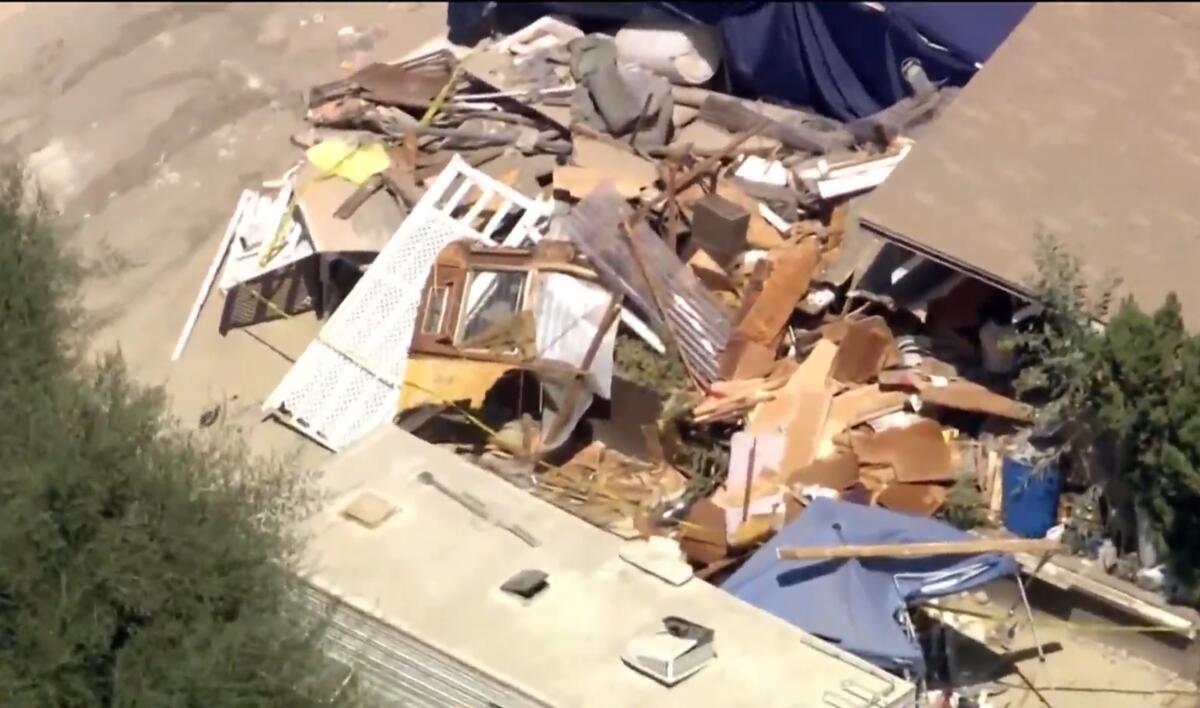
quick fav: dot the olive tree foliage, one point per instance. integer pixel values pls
(140, 564)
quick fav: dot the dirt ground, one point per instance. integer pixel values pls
(142, 123)
(1087, 663)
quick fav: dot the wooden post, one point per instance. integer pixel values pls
(922, 550)
(749, 481)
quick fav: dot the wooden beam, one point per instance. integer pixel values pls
(923, 550)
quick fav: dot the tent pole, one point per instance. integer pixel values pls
(1029, 613)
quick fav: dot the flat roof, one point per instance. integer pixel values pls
(433, 570)
(1084, 125)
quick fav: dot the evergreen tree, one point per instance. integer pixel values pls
(1136, 383)
(140, 565)
(1147, 395)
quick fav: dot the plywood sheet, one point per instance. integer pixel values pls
(811, 375)
(791, 272)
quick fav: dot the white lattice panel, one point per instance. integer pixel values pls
(377, 319)
(347, 381)
(361, 402)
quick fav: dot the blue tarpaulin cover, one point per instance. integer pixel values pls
(840, 59)
(857, 603)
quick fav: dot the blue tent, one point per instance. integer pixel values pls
(840, 59)
(858, 604)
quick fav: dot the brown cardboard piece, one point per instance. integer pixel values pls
(918, 452)
(804, 431)
(704, 535)
(865, 348)
(788, 281)
(743, 359)
(811, 375)
(835, 331)
(858, 405)
(968, 396)
(739, 345)
(838, 472)
(915, 499)
(876, 477)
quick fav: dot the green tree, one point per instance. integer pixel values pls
(1058, 353)
(1136, 383)
(1147, 396)
(140, 564)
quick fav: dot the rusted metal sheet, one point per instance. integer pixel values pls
(673, 299)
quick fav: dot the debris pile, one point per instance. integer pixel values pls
(621, 292)
(475, 230)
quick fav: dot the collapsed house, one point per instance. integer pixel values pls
(646, 303)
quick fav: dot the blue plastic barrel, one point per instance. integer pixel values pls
(1030, 499)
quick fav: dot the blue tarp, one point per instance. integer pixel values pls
(857, 603)
(841, 59)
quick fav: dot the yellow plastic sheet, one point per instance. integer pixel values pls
(350, 161)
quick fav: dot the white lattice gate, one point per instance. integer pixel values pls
(348, 379)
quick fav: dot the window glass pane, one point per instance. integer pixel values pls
(435, 310)
(493, 297)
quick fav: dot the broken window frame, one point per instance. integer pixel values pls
(494, 291)
(455, 269)
(448, 278)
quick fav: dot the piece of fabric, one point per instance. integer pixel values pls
(858, 603)
(618, 100)
(842, 60)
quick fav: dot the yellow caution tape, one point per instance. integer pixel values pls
(440, 99)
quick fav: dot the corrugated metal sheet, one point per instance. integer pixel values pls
(402, 670)
(1083, 125)
(698, 323)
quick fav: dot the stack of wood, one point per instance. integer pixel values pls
(852, 420)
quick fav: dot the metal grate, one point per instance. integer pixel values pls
(348, 379)
(290, 291)
(399, 668)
